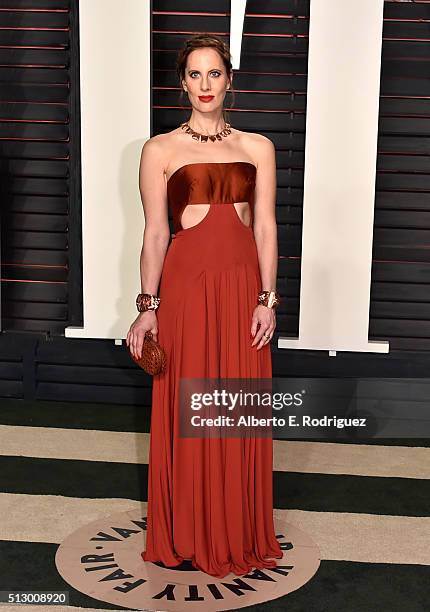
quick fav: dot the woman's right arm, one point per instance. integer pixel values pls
(156, 236)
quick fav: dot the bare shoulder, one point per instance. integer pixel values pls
(156, 151)
(162, 147)
(156, 145)
(259, 147)
(258, 143)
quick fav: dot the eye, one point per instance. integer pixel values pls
(215, 73)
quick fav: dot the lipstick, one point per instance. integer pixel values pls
(206, 98)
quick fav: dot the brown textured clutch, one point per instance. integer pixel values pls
(153, 359)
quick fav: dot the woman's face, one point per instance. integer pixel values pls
(206, 79)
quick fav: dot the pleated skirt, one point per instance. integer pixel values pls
(210, 500)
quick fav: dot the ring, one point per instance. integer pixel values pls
(266, 335)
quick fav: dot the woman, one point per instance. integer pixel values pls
(209, 500)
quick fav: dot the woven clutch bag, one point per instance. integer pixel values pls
(153, 359)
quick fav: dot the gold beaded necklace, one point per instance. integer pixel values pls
(205, 137)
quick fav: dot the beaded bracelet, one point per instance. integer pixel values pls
(272, 299)
(147, 301)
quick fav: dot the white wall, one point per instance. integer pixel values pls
(115, 115)
(345, 43)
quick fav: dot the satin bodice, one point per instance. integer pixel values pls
(210, 183)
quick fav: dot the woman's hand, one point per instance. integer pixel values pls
(265, 317)
(145, 321)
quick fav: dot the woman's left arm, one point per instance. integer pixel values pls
(266, 238)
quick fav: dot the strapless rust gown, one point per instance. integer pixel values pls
(209, 500)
